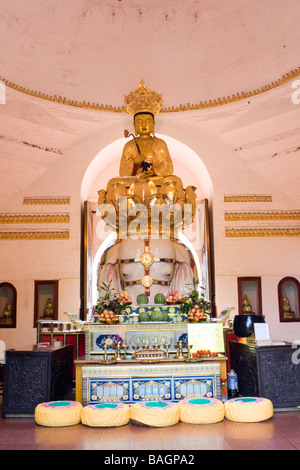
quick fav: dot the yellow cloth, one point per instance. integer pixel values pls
(105, 415)
(248, 409)
(201, 410)
(155, 413)
(58, 413)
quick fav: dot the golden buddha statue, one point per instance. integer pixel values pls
(145, 155)
(286, 307)
(146, 173)
(146, 200)
(48, 310)
(247, 309)
(7, 312)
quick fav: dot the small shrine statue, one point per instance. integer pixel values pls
(48, 310)
(247, 309)
(7, 312)
(286, 307)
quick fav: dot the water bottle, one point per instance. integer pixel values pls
(224, 396)
(232, 384)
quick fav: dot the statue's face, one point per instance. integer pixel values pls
(144, 124)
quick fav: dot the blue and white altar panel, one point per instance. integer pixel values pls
(139, 334)
(130, 383)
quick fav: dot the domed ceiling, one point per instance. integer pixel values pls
(191, 51)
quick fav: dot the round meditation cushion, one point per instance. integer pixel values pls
(58, 413)
(154, 413)
(201, 410)
(105, 415)
(248, 409)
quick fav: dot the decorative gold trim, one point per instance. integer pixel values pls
(263, 215)
(262, 232)
(46, 200)
(63, 235)
(171, 109)
(34, 218)
(247, 198)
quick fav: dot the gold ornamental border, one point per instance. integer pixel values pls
(46, 200)
(34, 218)
(262, 215)
(247, 198)
(16, 236)
(171, 109)
(262, 232)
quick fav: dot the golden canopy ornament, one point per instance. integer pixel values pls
(143, 100)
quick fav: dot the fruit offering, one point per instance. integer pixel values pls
(159, 298)
(108, 316)
(142, 299)
(124, 298)
(205, 353)
(174, 297)
(196, 314)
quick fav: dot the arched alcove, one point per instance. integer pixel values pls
(105, 165)
(187, 164)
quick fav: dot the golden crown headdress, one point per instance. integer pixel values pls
(143, 99)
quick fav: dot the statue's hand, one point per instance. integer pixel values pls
(148, 173)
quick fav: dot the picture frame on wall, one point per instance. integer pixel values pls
(8, 305)
(45, 301)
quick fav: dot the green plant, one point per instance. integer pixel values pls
(111, 301)
(196, 298)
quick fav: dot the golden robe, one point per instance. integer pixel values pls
(157, 153)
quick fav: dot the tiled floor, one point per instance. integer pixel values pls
(282, 432)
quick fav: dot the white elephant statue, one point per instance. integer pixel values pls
(172, 267)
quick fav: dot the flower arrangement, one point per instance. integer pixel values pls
(111, 304)
(195, 305)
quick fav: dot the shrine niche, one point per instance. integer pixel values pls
(45, 301)
(249, 295)
(289, 299)
(8, 305)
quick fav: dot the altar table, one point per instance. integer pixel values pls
(130, 381)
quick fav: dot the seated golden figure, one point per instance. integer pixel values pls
(48, 310)
(7, 312)
(145, 155)
(286, 307)
(247, 309)
(146, 172)
(146, 200)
